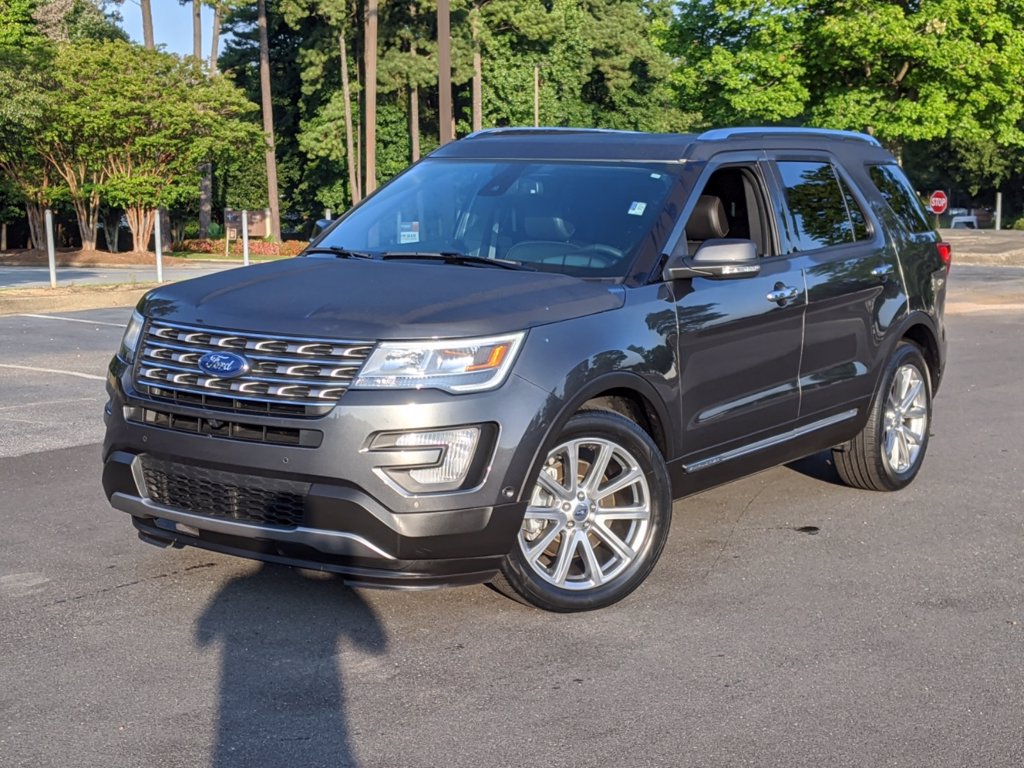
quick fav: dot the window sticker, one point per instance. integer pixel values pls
(408, 232)
(637, 209)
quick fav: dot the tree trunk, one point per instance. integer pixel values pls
(215, 36)
(478, 76)
(414, 122)
(87, 211)
(147, 24)
(444, 66)
(352, 159)
(3, 237)
(268, 124)
(370, 95)
(140, 222)
(197, 29)
(36, 227)
(112, 228)
(205, 198)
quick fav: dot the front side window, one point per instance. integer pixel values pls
(818, 209)
(900, 195)
(587, 219)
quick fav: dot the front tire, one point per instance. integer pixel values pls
(598, 517)
(889, 451)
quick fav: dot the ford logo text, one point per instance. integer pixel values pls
(223, 365)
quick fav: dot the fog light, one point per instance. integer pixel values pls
(432, 461)
(459, 447)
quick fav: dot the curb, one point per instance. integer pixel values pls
(71, 301)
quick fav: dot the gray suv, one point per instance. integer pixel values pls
(507, 363)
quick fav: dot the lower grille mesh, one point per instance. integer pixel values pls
(225, 494)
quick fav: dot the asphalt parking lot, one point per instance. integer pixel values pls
(894, 636)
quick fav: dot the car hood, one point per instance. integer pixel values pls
(350, 299)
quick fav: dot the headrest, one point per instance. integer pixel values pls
(707, 222)
(547, 228)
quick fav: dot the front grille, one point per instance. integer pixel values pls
(228, 495)
(287, 376)
(228, 429)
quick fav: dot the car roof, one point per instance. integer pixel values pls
(606, 144)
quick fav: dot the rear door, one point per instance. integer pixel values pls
(852, 282)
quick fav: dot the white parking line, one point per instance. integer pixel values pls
(90, 376)
(73, 320)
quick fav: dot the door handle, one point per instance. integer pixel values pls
(783, 293)
(883, 271)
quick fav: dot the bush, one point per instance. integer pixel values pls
(1019, 223)
(262, 248)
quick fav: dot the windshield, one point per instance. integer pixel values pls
(582, 219)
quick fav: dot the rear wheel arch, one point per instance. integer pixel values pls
(924, 338)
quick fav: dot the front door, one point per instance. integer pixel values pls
(739, 339)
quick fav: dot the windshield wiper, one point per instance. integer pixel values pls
(341, 253)
(451, 257)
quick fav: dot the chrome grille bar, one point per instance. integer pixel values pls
(282, 369)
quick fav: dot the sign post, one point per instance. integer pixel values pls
(938, 202)
(245, 238)
(159, 251)
(50, 256)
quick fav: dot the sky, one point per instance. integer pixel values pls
(172, 25)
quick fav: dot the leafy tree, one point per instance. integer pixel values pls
(150, 131)
(903, 71)
(24, 113)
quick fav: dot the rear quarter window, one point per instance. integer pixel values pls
(900, 195)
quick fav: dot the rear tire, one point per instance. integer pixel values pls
(597, 520)
(889, 451)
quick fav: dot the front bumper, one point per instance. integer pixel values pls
(348, 518)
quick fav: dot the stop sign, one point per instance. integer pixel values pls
(938, 201)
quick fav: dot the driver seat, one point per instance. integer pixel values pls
(707, 222)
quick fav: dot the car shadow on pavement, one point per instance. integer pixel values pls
(282, 635)
(818, 466)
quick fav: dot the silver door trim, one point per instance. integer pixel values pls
(768, 442)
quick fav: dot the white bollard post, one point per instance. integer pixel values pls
(999, 210)
(159, 251)
(245, 238)
(50, 249)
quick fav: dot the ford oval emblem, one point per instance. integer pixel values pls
(223, 365)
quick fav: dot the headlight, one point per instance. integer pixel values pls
(462, 365)
(130, 340)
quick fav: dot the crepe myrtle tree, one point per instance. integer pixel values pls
(147, 133)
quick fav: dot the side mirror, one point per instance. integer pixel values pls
(717, 259)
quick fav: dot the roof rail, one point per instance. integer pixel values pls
(718, 134)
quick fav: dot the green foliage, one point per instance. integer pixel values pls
(17, 27)
(600, 65)
(901, 71)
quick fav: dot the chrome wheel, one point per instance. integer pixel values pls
(906, 419)
(589, 515)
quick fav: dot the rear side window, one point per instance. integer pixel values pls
(822, 213)
(901, 197)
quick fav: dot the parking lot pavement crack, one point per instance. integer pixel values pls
(732, 529)
(136, 582)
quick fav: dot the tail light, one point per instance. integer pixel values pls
(946, 254)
